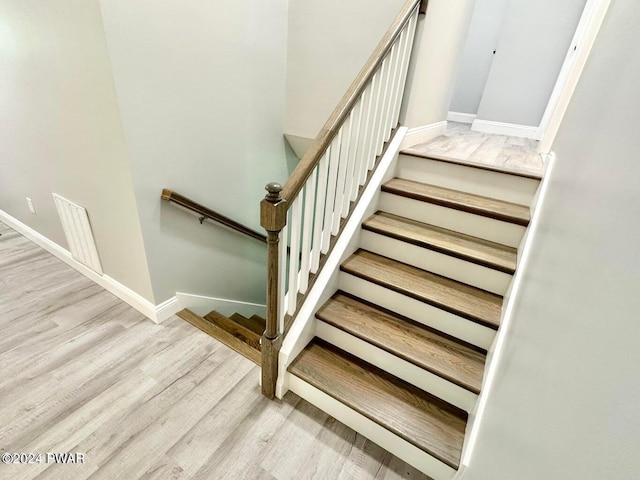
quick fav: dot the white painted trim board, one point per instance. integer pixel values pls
(423, 134)
(148, 309)
(461, 117)
(201, 305)
(500, 128)
(584, 39)
(495, 353)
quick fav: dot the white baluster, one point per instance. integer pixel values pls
(370, 156)
(294, 255)
(319, 215)
(405, 68)
(384, 77)
(342, 173)
(331, 191)
(395, 80)
(353, 174)
(367, 129)
(282, 273)
(385, 101)
(307, 219)
(403, 44)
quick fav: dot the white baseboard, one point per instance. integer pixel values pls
(499, 128)
(423, 134)
(166, 309)
(148, 309)
(461, 117)
(202, 305)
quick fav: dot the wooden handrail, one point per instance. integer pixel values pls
(204, 212)
(326, 135)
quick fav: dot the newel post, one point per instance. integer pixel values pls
(273, 217)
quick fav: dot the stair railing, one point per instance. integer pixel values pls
(205, 213)
(306, 213)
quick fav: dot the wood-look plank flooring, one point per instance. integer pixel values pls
(467, 202)
(413, 342)
(512, 153)
(80, 371)
(459, 245)
(455, 297)
(419, 418)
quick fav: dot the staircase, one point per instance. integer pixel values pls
(400, 348)
(386, 272)
(239, 333)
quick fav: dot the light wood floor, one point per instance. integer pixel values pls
(460, 142)
(80, 371)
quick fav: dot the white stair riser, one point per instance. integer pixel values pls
(451, 267)
(468, 223)
(511, 188)
(371, 430)
(423, 379)
(441, 320)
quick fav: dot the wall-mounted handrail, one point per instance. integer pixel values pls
(207, 213)
(304, 217)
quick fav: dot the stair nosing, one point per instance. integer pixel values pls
(424, 365)
(459, 206)
(368, 415)
(471, 164)
(446, 308)
(443, 250)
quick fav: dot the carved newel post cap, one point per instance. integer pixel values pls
(274, 190)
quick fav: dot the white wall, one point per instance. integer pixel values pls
(328, 44)
(201, 91)
(482, 39)
(440, 40)
(60, 131)
(532, 47)
(565, 403)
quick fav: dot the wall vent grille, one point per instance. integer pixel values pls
(77, 229)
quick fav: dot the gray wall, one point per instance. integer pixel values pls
(60, 131)
(436, 57)
(532, 47)
(482, 39)
(201, 90)
(328, 43)
(565, 404)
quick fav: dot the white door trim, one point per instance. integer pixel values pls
(579, 50)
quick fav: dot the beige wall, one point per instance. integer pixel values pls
(328, 43)
(60, 130)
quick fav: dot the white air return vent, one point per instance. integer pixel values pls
(77, 229)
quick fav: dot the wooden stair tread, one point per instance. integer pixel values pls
(254, 323)
(218, 326)
(419, 418)
(455, 297)
(414, 343)
(459, 245)
(508, 170)
(467, 202)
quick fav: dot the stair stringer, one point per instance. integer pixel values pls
(494, 351)
(303, 328)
